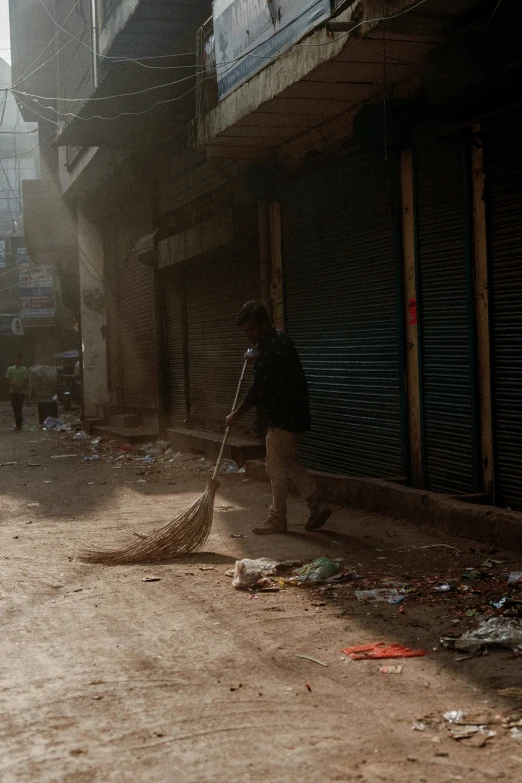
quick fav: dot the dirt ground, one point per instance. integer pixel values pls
(107, 677)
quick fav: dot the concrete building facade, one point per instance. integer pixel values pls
(354, 166)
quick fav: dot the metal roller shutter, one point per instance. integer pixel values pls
(175, 323)
(137, 334)
(503, 157)
(341, 309)
(449, 423)
(214, 294)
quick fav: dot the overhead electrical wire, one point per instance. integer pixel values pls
(230, 63)
(37, 98)
(24, 76)
(19, 154)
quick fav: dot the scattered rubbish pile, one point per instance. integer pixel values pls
(248, 573)
(473, 728)
(150, 458)
(51, 423)
(256, 573)
(495, 631)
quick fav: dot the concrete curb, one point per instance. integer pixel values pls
(446, 513)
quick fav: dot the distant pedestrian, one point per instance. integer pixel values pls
(280, 393)
(17, 376)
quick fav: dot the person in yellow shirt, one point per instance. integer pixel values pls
(17, 376)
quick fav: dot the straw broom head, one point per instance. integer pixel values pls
(186, 533)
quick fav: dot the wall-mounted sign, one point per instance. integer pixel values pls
(36, 292)
(22, 256)
(11, 325)
(250, 33)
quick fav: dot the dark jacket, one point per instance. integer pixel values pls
(279, 390)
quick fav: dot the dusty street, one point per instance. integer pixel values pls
(107, 677)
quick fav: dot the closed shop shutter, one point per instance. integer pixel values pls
(341, 309)
(137, 334)
(175, 328)
(503, 158)
(445, 310)
(215, 291)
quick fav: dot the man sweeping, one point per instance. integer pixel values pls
(280, 393)
(17, 379)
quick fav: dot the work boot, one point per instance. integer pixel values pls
(319, 515)
(270, 526)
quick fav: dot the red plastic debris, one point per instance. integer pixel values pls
(381, 650)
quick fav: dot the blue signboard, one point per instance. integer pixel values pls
(250, 33)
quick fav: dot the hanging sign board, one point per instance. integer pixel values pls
(36, 292)
(250, 33)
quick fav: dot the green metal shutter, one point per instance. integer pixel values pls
(341, 291)
(215, 291)
(175, 329)
(449, 430)
(503, 157)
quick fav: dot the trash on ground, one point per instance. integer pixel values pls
(64, 456)
(443, 588)
(151, 579)
(81, 436)
(467, 732)
(319, 570)
(454, 716)
(380, 595)
(51, 423)
(392, 669)
(500, 631)
(6, 464)
(238, 535)
(249, 572)
(229, 466)
(92, 458)
(151, 450)
(314, 660)
(347, 575)
(513, 692)
(380, 650)
(148, 460)
(514, 578)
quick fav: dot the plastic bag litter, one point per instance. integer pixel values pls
(319, 570)
(249, 572)
(53, 424)
(514, 577)
(500, 631)
(151, 449)
(92, 458)
(380, 595)
(229, 466)
(81, 436)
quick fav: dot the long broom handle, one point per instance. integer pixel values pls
(227, 431)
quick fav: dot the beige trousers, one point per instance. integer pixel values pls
(282, 464)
